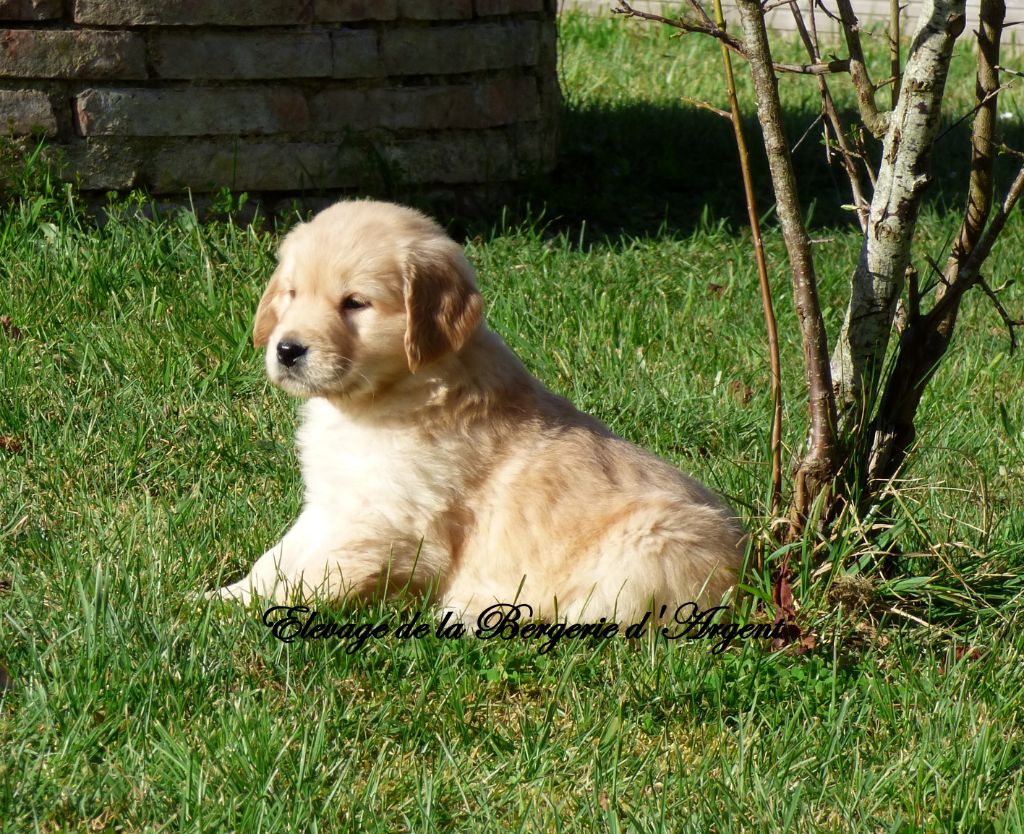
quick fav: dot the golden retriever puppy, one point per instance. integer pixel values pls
(434, 461)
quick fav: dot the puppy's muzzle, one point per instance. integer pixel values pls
(288, 353)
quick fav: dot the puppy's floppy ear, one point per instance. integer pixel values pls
(266, 313)
(442, 304)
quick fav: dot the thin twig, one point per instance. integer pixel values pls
(1005, 316)
(892, 609)
(767, 305)
(829, 110)
(969, 272)
(835, 66)
(812, 31)
(913, 294)
(1006, 149)
(703, 15)
(827, 142)
(828, 14)
(988, 97)
(894, 49)
(862, 154)
(939, 274)
(807, 132)
(814, 51)
(704, 105)
(705, 26)
(818, 468)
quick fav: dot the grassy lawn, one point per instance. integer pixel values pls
(144, 458)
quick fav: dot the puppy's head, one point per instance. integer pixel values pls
(364, 294)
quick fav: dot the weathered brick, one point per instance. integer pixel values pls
(354, 54)
(193, 12)
(466, 48)
(68, 53)
(435, 9)
(480, 105)
(451, 158)
(255, 166)
(96, 164)
(26, 111)
(222, 55)
(490, 8)
(30, 9)
(346, 11)
(191, 112)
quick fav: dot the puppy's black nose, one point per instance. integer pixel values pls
(288, 353)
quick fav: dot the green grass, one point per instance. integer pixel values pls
(145, 458)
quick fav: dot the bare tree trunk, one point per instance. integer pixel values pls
(927, 338)
(902, 178)
(819, 465)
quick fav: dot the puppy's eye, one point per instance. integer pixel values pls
(291, 293)
(354, 302)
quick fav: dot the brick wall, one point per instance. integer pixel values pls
(282, 95)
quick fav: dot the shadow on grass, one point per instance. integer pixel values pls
(645, 170)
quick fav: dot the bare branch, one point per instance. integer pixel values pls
(704, 105)
(862, 154)
(913, 294)
(818, 467)
(753, 217)
(806, 133)
(982, 184)
(813, 30)
(1006, 149)
(940, 276)
(875, 121)
(989, 96)
(970, 269)
(837, 65)
(703, 15)
(829, 110)
(894, 49)
(828, 14)
(1010, 323)
(706, 26)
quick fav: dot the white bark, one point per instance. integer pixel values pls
(878, 280)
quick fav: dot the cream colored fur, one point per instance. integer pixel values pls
(433, 460)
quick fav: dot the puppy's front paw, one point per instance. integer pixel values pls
(238, 592)
(457, 613)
